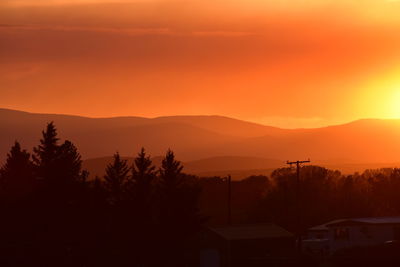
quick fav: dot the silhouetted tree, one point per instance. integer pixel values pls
(178, 209)
(46, 155)
(142, 217)
(139, 214)
(16, 197)
(170, 187)
(16, 175)
(313, 197)
(116, 179)
(58, 167)
(70, 165)
(143, 171)
(141, 186)
(53, 219)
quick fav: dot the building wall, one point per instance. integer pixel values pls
(328, 242)
(313, 234)
(249, 252)
(359, 235)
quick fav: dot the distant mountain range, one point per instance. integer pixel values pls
(213, 144)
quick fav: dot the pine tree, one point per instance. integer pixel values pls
(141, 188)
(143, 175)
(116, 179)
(178, 209)
(70, 164)
(46, 155)
(58, 168)
(179, 195)
(16, 175)
(70, 178)
(170, 183)
(170, 172)
(139, 217)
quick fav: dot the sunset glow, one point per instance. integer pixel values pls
(285, 63)
(202, 133)
(380, 98)
(391, 105)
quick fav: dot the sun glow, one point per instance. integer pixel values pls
(381, 99)
(394, 103)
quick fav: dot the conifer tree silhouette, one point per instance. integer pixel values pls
(143, 171)
(58, 167)
(170, 172)
(70, 163)
(16, 175)
(70, 176)
(46, 155)
(142, 179)
(169, 193)
(141, 197)
(178, 193)
(116, 179)
(178, 209)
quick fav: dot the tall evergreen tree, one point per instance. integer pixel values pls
(143, 171)
(70, 164)
(178, 209)
(16, 175)
(60, 202)
(116, 179)
(46, 155)
(142, 178)
(70, 178)
(170, 172)
(58, 167)
(179, 194)
(170, 190)
(140, 208)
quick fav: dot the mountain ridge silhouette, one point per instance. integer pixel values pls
(201, 137)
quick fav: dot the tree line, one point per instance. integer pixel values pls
(141, 215)
(324, 195)
(52, 215)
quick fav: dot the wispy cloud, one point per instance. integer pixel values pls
(125, 31)
(17, 71)
(128, 31)
(222, 33)
(24, 3)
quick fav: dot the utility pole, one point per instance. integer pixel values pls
(298, 200)
(229, 179)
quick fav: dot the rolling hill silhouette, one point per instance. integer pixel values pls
(212, 143)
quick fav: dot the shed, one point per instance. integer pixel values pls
(247, 245)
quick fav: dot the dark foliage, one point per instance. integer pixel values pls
(177, 211)
(141, 186)
(52, 215)
(116, 180)
(16, 175)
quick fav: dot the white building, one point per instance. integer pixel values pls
(347, 233)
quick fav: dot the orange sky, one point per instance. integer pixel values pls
(293, 63)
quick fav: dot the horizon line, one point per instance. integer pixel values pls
(198, 115)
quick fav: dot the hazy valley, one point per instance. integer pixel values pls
(212, 145)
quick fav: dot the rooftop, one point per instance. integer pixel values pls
(256, 231)
(368, 220)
